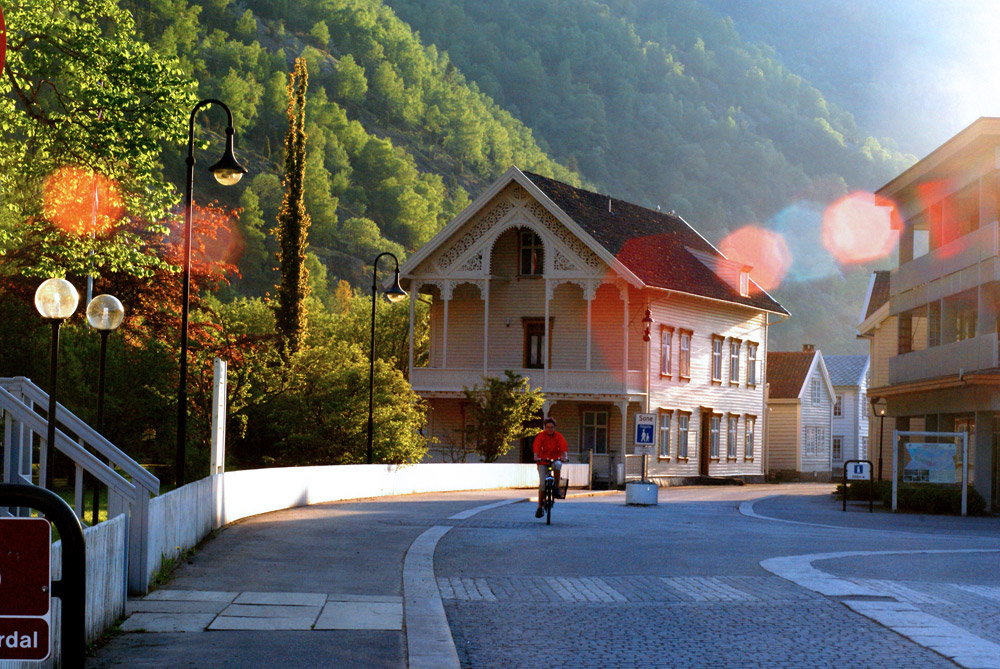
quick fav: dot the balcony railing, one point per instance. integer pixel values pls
(969, 355)
(953, 257)
(426, 379)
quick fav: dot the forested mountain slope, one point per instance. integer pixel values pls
(413, 104)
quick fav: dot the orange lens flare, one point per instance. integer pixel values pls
(217, 240)
(764, 250)
(81, 201)
(861, 227)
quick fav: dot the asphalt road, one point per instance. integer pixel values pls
(752, 576)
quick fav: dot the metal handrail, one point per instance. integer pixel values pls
(140, 476)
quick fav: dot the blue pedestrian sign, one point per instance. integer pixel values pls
(645, 429)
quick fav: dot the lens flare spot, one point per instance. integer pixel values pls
(861, 227)
(81, 201)
(217, 242)
(764, 250)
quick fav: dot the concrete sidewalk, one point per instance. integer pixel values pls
(307, 587)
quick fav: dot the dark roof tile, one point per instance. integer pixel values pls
(651, 244)
(786, 372)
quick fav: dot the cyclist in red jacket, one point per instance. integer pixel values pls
(550, 448)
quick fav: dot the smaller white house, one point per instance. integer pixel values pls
(849, 426)
(800, 412)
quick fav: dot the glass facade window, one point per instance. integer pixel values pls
(714, 426)
(716, 359)
(748, 446)
(838, 448)
(734, 362)
(838, 406)
(751, 364)
(816, 395)
(532, 253)
(666, 343)
(685, 361)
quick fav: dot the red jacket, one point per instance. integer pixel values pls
(550, 448)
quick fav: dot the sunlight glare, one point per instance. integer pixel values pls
(81, 201)
(861, 227)
(764, 250)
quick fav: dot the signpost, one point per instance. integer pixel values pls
(645, 432)
(859, 470)
(25, 592)
(25, 589)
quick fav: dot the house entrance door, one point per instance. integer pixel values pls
(704, 452)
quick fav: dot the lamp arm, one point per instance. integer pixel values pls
(194, 112)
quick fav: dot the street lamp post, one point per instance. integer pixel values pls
(879, 405)
(228, 172)
(394, 294)
(105, 314)
(55, 300)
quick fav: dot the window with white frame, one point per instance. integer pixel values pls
(685, 361)
(751, 364)
(816, 396)
(838, 406)
(734, 423)
(717, 359)
(594, 432)
(666, 345)
(734, 361)
(864, 448)
(665, 435)
(683, 422)
(750, 425)
(715, 424)
(838, 448)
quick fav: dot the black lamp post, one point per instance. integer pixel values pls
(879, 405)
(105, 314)
(394, 294)
(55, 300)
(227, 172)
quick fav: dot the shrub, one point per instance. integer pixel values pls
(928, 498)
(858, 490)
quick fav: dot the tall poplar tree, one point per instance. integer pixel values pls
(293, 220)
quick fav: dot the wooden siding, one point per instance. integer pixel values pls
(815, 416)
(783, 437)
(672, 393)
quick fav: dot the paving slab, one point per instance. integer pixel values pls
(262, 624)
(133, 606)
(361, 616)
(270, 611)
(278, 598)
(192, 595)
(390, 599)
(167, 622)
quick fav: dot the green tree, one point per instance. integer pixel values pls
(293, 220)
(350, 84)
(80, 88)
(498, 410)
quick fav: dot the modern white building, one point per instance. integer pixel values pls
(612, 310)
(933, 325)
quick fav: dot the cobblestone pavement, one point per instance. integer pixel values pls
(680, 585)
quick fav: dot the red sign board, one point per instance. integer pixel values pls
(25, 588)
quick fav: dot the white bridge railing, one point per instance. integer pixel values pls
(129, 492)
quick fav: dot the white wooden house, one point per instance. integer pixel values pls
(553, 282)
(800, 413)
(849, 425)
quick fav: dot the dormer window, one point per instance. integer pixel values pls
(745, 283)
(532, 254)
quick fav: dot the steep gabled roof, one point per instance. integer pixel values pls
(879, 292)
(786, 372)
(846, 370)
(652, 245)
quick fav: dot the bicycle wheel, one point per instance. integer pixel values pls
(549, 500)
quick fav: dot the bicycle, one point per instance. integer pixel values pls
(550, 493)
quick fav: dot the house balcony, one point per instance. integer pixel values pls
(560, 381)
(965, 356)
(946, 270)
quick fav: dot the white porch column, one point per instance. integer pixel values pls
(623, 410)
(413, 299)
(623, 290)
(546, 405)
(545, 340)
(446, 297)
(589, 295)
(484, 291)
